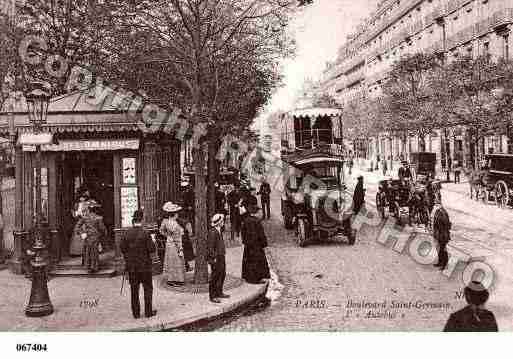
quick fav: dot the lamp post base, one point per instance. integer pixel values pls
(39, 303)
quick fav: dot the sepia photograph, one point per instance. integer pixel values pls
(278, 166)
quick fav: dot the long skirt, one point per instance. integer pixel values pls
(91, 256)
(254, 265)
(188, 251)
(76, 247)
(174, 266)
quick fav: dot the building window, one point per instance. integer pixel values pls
(505, 52)
(469, 51)
(486, 48)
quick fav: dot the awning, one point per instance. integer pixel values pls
(319, 159)
(89, 145)
(316, 112)
(33, 139)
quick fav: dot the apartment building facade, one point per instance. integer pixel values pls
(448, 28)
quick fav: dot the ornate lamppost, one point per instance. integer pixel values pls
(39, 304)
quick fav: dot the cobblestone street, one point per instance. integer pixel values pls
(321, 279)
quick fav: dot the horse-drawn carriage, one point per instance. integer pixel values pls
(494, 181)
(314, 200)
(412, 197)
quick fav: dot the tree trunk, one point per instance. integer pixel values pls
(509, 139)
(213, 174)
(201, 220)
(476, 149)
(391, 155)
(446, 148)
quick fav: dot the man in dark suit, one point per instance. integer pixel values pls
(137, 247)
(404, 172)
(441, 233)
(474, 317)
(216, 259)
(265, 199)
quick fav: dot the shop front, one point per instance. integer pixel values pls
(101, 152)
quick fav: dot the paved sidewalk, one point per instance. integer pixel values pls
(75, 309)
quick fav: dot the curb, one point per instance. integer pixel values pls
(191, 318)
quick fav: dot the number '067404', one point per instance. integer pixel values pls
(31, 347)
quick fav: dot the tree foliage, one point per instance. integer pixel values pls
(408, 95)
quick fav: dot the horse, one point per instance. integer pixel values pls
(475, 180)
(418, 204)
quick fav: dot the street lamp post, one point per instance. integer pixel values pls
(39, 303)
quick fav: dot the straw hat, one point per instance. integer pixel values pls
(171, 207)
(216, 219)
(93, 204)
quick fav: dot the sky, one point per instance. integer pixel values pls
(319, 31)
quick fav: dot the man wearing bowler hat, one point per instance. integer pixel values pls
(137, 247)
(473, 317)
(404, 172)
(216, 259)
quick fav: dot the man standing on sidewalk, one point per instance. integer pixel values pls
(265, 198)
(216, 259)
(137, 248)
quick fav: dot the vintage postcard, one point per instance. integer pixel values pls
(255, 166)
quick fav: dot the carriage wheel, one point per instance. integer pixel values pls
(501, 194)
(301, 232)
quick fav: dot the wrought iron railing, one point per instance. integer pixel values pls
(307, 139)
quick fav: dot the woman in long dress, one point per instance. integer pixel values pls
(76, 247)
(254, 262)
(188, 250)
(91, 230)
(174, 265)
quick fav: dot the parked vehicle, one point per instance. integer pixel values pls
(498, 178)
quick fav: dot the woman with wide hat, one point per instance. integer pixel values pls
(474, 317)
(91, 230)
(174, 266)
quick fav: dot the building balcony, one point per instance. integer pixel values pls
(454, 5)
(501, 18)
(355, 76)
